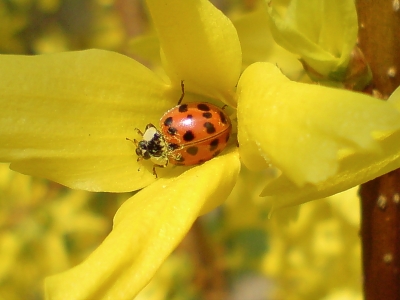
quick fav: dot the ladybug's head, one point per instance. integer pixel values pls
(142, 150)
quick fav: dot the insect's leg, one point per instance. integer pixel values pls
(149, 126)
(158, 166)
(139, 131)
(133, 141)
(183, 92)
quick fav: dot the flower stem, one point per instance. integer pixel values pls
(210, 275)
(379, 39)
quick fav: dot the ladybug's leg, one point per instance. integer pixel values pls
(158, 166)
(147, 127)
(136, 144)
(133, 141)
(139, 131)
(183, 92)
(139, 159)
(150, 126)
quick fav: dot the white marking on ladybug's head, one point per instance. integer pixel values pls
(149, 134)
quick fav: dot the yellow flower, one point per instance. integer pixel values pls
(323, 140)
(323, 236)
(258, 44)
(323, 33)
(37, 220)
(66, 117)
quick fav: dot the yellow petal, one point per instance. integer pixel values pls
(255, 37)
(305, 129)
(353, 170)
(325, 40)
(258, 45)
(147, 228)
(395, 98)
(200, 45)
(66, 117)
(147, 48)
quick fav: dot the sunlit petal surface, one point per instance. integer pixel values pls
(258, 45)
(199, 45)
(66, 117)
(147, 228)
(322, 139)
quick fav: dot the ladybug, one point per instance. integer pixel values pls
(189, 134)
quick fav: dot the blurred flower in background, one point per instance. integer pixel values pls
(238, 251)
(48, 26)
(45, 228)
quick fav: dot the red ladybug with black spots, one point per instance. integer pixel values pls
(189, 134)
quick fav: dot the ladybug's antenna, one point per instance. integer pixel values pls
(183, 92)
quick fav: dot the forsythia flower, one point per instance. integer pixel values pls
(66, 117)
(324, 34)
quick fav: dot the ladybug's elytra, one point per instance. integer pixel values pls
(189, 134)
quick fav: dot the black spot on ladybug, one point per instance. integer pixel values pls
(214, 144)
(189, 117)
(173, 146)
(203, 107)
(168, 121)
(188, 136)
(222, 117)
(210, 127)
(183, 108)
(207, 115)
(216, 153)
(192, 150)
(172, 130)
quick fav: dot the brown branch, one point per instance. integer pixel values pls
(381, 237)
(379, 39)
